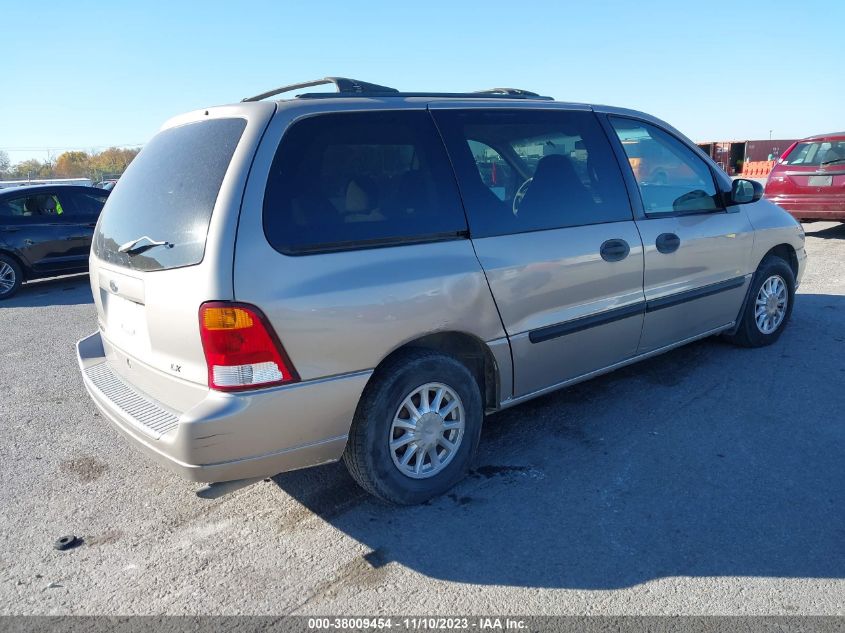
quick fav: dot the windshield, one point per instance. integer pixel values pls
(816, 153)
(167, 195)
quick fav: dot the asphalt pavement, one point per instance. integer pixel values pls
(709, 480)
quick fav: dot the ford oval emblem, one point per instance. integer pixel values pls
(112, 286)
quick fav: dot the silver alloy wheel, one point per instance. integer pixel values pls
(427, 430)
(7, 278)
(770, 305)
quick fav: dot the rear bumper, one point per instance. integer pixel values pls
(815, 207)
(228, 436)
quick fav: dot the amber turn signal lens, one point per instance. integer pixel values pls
(226, 319)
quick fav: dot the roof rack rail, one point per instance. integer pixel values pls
(344, 86)
(510, 92)
(433, 95)
(353, 87)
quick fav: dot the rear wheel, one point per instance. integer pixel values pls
(769, 306)
(416, 429)
(11, 276)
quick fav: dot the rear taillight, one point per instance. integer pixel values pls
(241, 349)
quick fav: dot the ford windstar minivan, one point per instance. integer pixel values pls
(364, 274)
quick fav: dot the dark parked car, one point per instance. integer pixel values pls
(45, 231)
(809, 179)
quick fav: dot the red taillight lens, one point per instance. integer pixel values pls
(241, 349)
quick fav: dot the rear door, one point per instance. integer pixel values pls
(697, 252)
(353, 241)
(84, 207)
(164, 244)
(76, 222)
(553, 229)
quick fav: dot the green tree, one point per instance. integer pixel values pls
(31, 168)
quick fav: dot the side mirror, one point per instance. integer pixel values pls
(745, 191)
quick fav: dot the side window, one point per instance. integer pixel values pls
(89, 204)
(352, 180)
(36, 207)
(557, 169)
(496, 174)
(13, 208)
(671, 178)
(60, 205)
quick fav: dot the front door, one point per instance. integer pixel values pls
(697, 252)
(553, 229)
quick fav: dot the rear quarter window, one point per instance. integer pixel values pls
(358, 180)
(90, 203)
(168, 194)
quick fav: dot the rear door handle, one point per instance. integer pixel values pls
(667, 243)
(614, 250)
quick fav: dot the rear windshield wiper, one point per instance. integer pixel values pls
(132, 247)
(835, 160)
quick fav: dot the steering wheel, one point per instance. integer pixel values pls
(520, 194)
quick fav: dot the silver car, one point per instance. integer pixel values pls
(365, 274)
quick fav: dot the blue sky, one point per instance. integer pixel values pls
(85, 75)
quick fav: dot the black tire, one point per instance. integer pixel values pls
(16, 274)
(749, 334)
(368, 455)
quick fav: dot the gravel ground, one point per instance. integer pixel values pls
(706, 481)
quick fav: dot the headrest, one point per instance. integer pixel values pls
(360, 195)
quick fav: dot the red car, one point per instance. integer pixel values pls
(809, 179)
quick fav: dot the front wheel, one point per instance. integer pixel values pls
(769, 305)
(416, 429)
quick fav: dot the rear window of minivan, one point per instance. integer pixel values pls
(168, 194)
(361, 180)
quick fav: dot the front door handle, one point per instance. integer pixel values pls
(667, 243)
(614, 250)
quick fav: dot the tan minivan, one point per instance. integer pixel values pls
(365, 274)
